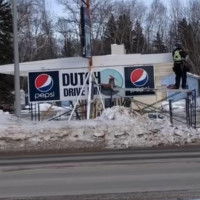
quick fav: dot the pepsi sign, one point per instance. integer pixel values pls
(44, 86)
(44, 83)
(139, 77)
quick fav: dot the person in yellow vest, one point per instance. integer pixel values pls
(179, 68)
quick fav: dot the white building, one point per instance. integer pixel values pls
(118, 60)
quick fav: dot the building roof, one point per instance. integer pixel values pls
(131, 59)
(80, 62)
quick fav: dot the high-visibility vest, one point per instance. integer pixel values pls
(177, 57)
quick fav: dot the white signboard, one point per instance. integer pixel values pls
(66, 85)
(72, 82)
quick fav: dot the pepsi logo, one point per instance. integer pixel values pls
(43, 82)
(139, 77)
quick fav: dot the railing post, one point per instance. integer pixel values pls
(187, 104)
(194, 104)
(170, 111)
(31, 107)
(38, 112)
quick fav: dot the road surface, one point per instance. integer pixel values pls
(131, 174)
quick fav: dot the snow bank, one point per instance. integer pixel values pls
(117, 127)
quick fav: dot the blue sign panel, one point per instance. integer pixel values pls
(44, 86)
(139, 77)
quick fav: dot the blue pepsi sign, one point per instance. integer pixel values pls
(44, 86)
(139, 77)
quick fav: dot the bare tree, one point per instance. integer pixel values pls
(69, 45)
(156, 21)
(100, 12)
(189, 33)
(177, 13)
(72, 9)
(185, 29)
(35, 31)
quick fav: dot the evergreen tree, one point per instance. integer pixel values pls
(124, 32)
(6, 54)
(110, 35)
(190, 39)
(6, 36)
(158, 44)
(121, 31)
(138, 39)
(186, 38)
(68, 50)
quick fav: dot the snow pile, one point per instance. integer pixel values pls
(117, 127)
(119, 113)
(129, 129)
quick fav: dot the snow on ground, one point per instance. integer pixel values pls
(117, 127)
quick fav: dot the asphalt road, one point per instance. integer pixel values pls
(132, 174)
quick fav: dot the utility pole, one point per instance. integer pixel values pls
(16, 64)
(90, 69)
(90, 73)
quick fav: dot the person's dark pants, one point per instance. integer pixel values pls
(180, 73)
